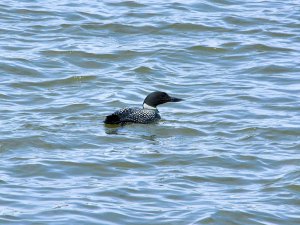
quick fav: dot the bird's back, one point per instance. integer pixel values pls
(133, 115)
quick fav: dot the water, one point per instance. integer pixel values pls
(228, 154)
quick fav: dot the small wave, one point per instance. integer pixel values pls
(202, 48)
(278, 34)
(19, 69)
(240, 21)
(193, 27)
(53, 82)
(262, 48)
(66, 108)
(143, 69)
(231, 44)
(116, 55)
(129, 4)
(27, 12)
(269, 69)
(120, 28)
(76, 53)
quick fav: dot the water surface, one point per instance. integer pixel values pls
(228, 154)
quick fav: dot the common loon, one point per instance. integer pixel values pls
(148, 114)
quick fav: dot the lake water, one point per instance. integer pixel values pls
(228, 154)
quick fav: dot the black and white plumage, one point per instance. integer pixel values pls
(147, 114)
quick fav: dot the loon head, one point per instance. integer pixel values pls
(156, 98)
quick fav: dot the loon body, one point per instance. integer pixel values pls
(147, 114)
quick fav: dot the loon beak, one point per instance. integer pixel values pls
(172, 99)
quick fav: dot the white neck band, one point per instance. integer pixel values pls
(145, 106)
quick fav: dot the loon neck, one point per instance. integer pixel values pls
(145, 106)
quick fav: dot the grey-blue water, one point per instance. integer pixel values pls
(228, 154)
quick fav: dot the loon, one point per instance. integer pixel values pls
(148, 114)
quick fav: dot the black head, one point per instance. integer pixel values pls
(156, 98)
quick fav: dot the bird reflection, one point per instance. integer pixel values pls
(144, 132)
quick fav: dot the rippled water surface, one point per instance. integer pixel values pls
(228, 154)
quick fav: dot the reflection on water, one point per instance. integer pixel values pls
(145, 134)
(112, 128)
